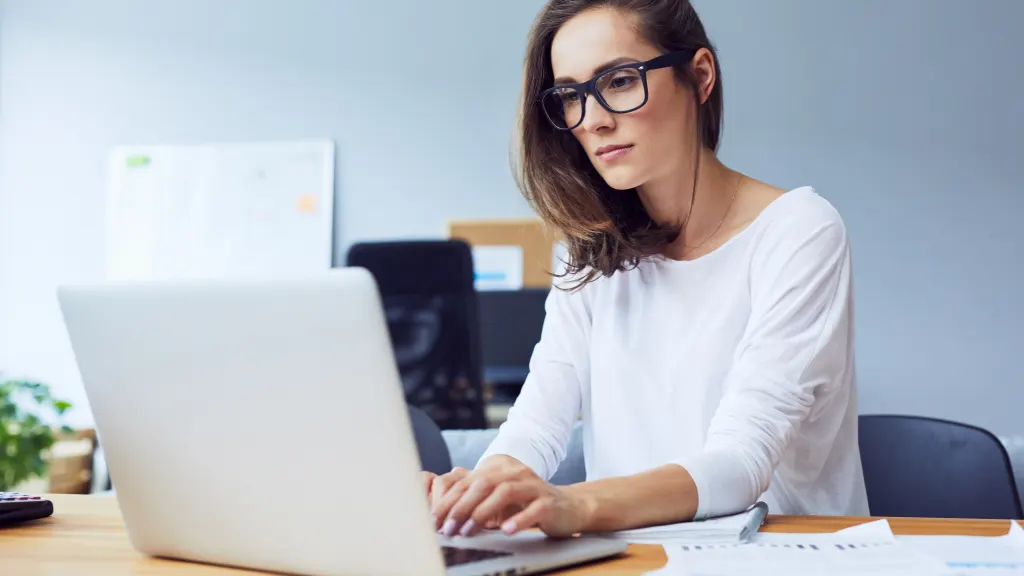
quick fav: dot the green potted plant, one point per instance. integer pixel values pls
(27, 411)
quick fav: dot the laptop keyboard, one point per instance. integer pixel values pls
(455, 556)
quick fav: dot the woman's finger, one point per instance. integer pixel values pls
(485, 480)
(428, 478)
(506, 500)
(460, 508)
(494, 522)
(443, 483)
(472, 513)
(438, 487)
(530, 517)
(445, 500)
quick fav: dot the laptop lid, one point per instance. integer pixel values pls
(256, 423)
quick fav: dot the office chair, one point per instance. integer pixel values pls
(431, 306)
(926, 467)
(430, 443)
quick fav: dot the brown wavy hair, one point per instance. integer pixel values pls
(606, 230)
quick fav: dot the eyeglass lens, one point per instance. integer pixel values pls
(622, 90)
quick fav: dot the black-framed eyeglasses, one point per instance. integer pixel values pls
(619, 90)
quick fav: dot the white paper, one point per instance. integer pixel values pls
(498, 267)
(876, 531)
(967, 555)
(865, 549)
(726, 529)
(216, 210)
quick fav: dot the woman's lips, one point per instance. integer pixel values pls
(608, 153)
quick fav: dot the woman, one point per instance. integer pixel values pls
(706, 338)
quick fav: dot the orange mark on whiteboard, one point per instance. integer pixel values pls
(307, 203)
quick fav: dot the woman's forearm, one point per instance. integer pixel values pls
(664, 495)
(498, 461)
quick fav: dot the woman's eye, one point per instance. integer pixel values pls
(570, 97)
(622, 81)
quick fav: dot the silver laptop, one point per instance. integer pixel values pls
(262, 424)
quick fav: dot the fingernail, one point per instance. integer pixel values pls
(449, 527)
(433, 519)
(467, 528)
(508, 527)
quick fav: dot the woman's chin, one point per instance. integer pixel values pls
(621, 178)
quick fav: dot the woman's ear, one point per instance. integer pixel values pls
(703, 67)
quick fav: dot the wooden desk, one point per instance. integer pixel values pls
(86, 537)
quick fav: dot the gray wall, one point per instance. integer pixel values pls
(905, 114)
(419, 97)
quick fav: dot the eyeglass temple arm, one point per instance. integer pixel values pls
(669, 59)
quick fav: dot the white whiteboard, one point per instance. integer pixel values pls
(219, 210)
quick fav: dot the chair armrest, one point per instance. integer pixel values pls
(1015, 450)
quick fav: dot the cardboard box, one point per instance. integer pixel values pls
(70, 466)
(71, 463)
(528, 239)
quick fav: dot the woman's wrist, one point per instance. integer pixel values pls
(663, 495)
(586, 502)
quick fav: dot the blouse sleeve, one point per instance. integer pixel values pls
(539, 425)
(792, 359)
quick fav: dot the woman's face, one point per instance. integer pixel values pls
(631, 149)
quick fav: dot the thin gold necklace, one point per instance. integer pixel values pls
(724, 216)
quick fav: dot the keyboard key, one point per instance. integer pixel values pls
(454, 556)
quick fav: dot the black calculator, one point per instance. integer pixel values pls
(16, 507)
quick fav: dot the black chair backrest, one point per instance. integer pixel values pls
(429, 299)
(926, 467)
(433, 450)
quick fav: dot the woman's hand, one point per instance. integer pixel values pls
(438, 486)
(508, 494)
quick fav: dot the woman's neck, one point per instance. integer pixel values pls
(668, 201)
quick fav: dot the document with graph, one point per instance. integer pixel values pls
(867, 549)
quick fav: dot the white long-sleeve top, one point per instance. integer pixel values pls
(738, 366)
